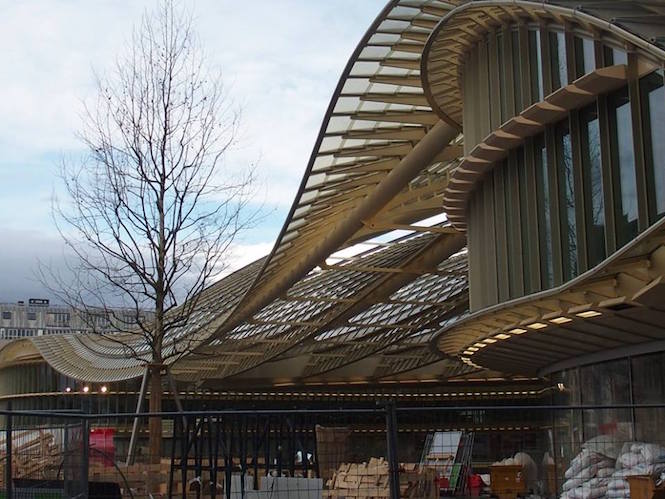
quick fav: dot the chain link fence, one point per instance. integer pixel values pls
(573, 452)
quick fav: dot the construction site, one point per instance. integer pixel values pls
(466, 297)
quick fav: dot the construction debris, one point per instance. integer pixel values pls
(372, 480)
(34, 453)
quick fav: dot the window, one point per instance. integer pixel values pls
(648, 388)
(99, 321)
(544, 212)
(512, 211)
(535, 63)
(606, 384)
(517, 73)
(585, 56)
(623, 161)
(58, 319)
(527, 229)
(6, 315)
(653, 112)
(566, 177)
(615, 56)
(558, 59)
(32, 316)
(593, 185)
(502, 77)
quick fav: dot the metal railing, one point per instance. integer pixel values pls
(576, 452)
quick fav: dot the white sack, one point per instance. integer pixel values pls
(583, 460)
(587, 492)
(617, 484)
(606, 445)
(571, 484)
(652, 453)
(631, 460)
(605, 472)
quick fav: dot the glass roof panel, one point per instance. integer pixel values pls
(384, 38)
(374, 52)
(407, 12)
(346, 104)
(338, 124)
(365, 68)
(393, 25)
(373, 106)
(392, 71)
(332, 142)
(356, 86)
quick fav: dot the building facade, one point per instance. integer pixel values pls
(38, 317)
(497, 170)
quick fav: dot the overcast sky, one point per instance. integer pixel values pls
(280, 59)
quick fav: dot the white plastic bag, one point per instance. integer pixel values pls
(583, 460)
(607, 445)
(571, 484)
(605, 472)
(618, 484)
(631, 460)
(652, 453)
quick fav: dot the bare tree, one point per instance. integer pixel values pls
(148, 218)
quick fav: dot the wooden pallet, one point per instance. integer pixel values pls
(371, 480)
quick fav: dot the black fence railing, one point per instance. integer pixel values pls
(572, 452)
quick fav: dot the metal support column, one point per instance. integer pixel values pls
(85, 457)
(8, 454)
(135, 426)
(391, 441)
(174, 390)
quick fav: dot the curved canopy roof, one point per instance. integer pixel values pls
(376, 117)
(636, 24)
(379, 166)
(610, 308)
(633, 22)
(614, 309)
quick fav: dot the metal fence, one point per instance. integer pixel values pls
(572, 452)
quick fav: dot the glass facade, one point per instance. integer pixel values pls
(526, 226)
(585, 56)
(559, 62)
(581, 187)
(594, 194)
(653, 110)
(503, 88)
(631, 381)
(608, 412)
(517, 72)
(535, 66)
(623, 162)
(544, 211)
(513, 228)
(648, 373)
(567, 215)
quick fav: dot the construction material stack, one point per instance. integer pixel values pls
(34, 454)
(372, 480)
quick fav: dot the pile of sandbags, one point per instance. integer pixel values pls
(636, 458)
(588, 475)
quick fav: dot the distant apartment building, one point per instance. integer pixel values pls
(37, 317)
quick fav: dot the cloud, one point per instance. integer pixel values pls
(241, 255)
(19, 256)
(23, 250)
(280, 61)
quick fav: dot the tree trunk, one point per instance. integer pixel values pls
(155, 424)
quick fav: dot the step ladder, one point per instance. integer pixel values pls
(449, 454)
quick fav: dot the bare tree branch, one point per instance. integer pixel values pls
(151, 212)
